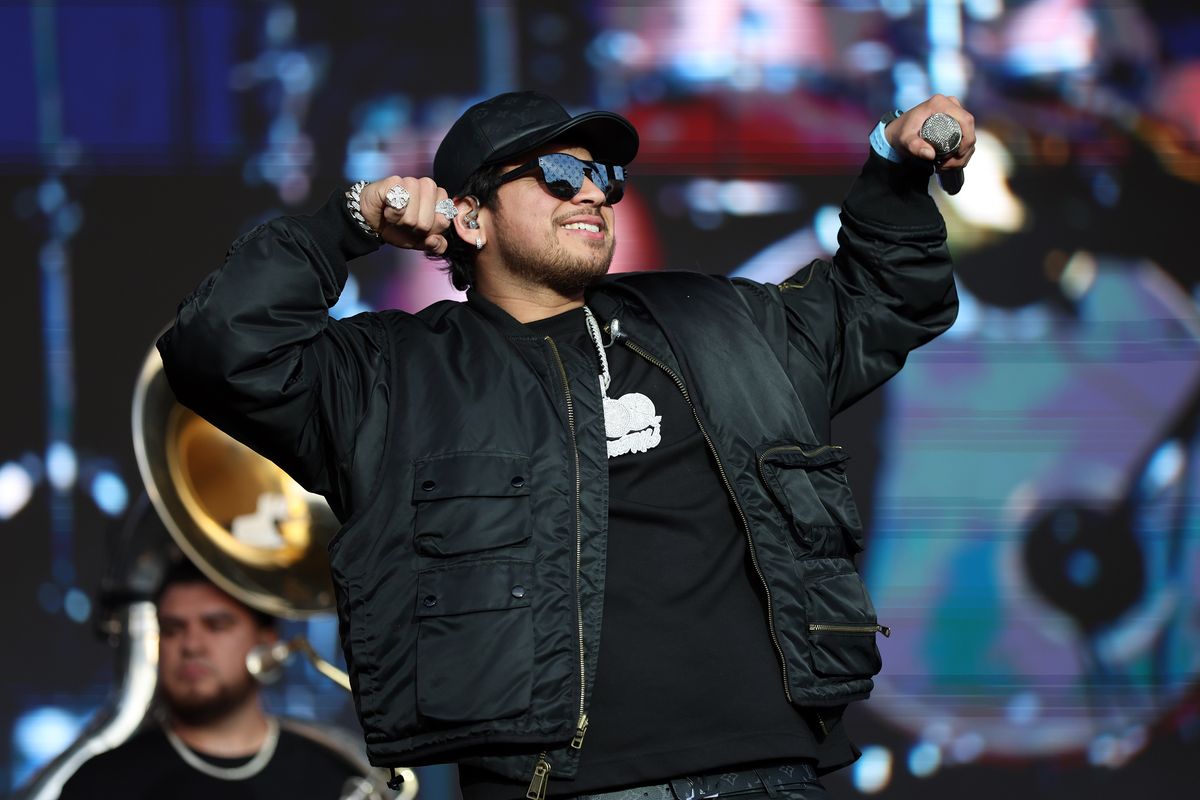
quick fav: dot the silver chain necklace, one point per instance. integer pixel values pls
(594, 331)
(238, 773)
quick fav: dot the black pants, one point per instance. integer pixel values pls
(780, 782)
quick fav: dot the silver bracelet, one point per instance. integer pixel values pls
(354, 206)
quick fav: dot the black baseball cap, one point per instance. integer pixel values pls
(509, 124)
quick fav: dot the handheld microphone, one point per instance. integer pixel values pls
(943, 132)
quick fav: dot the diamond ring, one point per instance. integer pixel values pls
(446, 208)
(397, 197)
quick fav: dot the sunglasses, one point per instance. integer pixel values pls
(563, 175)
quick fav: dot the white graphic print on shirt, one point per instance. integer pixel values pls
(631, 425)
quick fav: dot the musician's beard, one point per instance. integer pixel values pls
(567, 268)
(192, 708)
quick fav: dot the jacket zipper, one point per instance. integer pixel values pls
(541, 778)
(729, 489)
(829, 627)
(793, 448)
(541, 770)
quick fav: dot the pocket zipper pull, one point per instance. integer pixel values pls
(580, 732)
(835, 627)
(541, 777)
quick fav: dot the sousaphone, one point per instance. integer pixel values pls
(243, 521)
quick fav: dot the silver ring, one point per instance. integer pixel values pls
(397, 197)
(446, 208)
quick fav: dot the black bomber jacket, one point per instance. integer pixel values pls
(465, 456)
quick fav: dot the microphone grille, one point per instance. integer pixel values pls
(943, 132)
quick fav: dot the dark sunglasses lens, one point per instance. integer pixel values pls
(616, 186)
(562, 174)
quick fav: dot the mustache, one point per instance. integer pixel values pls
(195, 662)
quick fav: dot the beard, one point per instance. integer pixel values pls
(197, 709)
(556, 267)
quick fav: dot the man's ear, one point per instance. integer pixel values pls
(268, 635)
(468, 224)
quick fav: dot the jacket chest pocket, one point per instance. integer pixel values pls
(471, 502)
(809, 484)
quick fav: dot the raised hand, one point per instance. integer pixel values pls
(904, 132)
(412, 213)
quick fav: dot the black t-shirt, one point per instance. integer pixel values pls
(688, 679)
(147, 768)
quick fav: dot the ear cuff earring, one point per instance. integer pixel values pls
(472, 224)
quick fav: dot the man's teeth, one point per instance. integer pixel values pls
(582, 226)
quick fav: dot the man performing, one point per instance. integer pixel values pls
(214, 740)
(596, 539)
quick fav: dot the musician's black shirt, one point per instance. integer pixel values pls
(147, 768)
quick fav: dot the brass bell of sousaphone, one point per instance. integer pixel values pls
(243, 521)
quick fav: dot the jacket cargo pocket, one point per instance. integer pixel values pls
(836, 653)
(809, 483)
(474, 641)
(471, 502)
(841, 621)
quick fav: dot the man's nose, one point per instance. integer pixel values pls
(589, 193)
(192, 640)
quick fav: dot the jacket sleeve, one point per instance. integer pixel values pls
(852, 321)
(254, 351)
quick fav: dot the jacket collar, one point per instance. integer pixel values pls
(501, 319)
(599, 297)
(618, 297)
(603, 298)
(611, 297)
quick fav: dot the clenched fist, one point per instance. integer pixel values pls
(904, 132)
(418, 226)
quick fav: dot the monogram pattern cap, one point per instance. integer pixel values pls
(512, 123)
